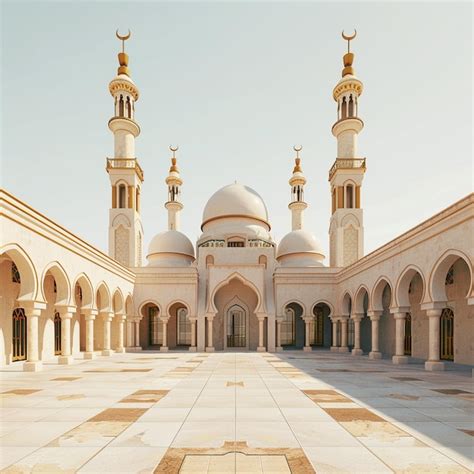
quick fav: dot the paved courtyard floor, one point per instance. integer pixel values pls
(236, 412)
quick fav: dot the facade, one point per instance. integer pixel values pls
(236, 288)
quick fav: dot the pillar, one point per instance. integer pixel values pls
(66, 316)
(164, 345)
(120, 323)
(357, 319)
(344, 321)
(193, 335)
(32, 313)
(434, 362)
(334, 346)
(89, 315)
(374, 319)
(307, 341)
(136, 335)
(210, 342)
(107, 320)
(261, 347)
(130, 339)
(400, 357)
(278, 347)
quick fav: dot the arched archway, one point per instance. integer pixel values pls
(231, 328)
(293, 326)
(320, 327)
(83, 298)
(179, 325)
(361, 306)
(151, 326)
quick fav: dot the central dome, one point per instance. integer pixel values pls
(235, 200)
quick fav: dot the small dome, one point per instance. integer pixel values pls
(170, 247)
(300, 247)
(235, 200)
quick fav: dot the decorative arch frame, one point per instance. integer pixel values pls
(375, 298)
(84, 282)
(350, 219)
(118, 294)
(259, 308)
(358, 302)
(63, 285)
(236, 301)
(177, 301)
(298, 302)
(437, 290)
(103, 289)
(401, 298)
(149, 301)
(129, 306)
(29, 276)
(344, 305)
(327, 303)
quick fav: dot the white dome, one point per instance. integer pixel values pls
(170, 247)
(302, 247)
(235, 200)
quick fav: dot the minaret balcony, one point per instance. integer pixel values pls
(347, 164)
(125, 164)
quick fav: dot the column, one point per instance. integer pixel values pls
(89, 315)
(107, 320)
(130, 339)
(344, 347)
(164, 345)
(261, 347)
(210, 347)
(32, 313)
(278, 347)
(307, 341)
(136, 335)
(357, 319)
(334, 346)
(374, 319)
(66, 316)
(400, 357)
(120, 323)
(193, 335)
(434, 362)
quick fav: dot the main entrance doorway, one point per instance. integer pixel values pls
(236, 327)
(19, 334)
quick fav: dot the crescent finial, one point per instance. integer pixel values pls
(123, 38)
(174, 149)
(297, 148)
(349, 38)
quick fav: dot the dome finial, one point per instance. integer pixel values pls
(348, 58)
(173, 167)
(297, 168)
(123, 56)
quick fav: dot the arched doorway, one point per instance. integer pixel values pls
(155, 325)
(407, 338)
(320, 327)
(183, 327)
(292, 327)
(57, 333)
(447, 334)
(19, 351)
(236, 324)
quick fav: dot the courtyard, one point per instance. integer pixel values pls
(248, 412)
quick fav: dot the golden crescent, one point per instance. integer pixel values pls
(123, 38)
(174, 148)
(298, 147)
(348, 38)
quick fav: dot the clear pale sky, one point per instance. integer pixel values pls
(236, 85)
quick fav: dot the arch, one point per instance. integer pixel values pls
(209, 260)
(440, 269)
(349, 219)
(129, 305)
(327, 303)
(375, 300)
(402, 286)
(122, 195)
(28, 274)
(359, 299)
(146, 302)
(63, 286)
(262, 260)
(346, 303)
(105, 301)
(87, 291)
(175, 302)
(236, 302)
(121, 219)
(118, 302)
(298, 302)
(236, 275)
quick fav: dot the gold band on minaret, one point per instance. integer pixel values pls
(123, 56)
(348, 58)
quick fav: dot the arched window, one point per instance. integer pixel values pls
(122, 196)
(57, 333)
(350, 196)
(183, 327)
(351, 106)
(209, 260)
(121, 111)
(262, 260)
(15, 274)
(447, 334)
(155, 327)
(344, 108)
(407, 343)
(19, 334)
(129, 108)
(288, 336)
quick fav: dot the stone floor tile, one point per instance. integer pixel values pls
(309, 433)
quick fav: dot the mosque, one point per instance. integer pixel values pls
(236, 288)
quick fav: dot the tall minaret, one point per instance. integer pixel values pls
(297, 182)
(174, 182)
(346, 232)
(126, 176)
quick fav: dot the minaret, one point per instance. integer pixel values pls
(297, 182)
(346, 232)
(126, 176)
(174, 182)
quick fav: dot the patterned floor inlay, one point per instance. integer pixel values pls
(119, 414)
(20, 391)
(235, 457)
(234, 384)
(111, 371)
(401, 396)
(451, 391)
(469, 432)
(65, 379)
(71, 396)
(352, 414)
(321, 396)
(145, 396)
(406, 379)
